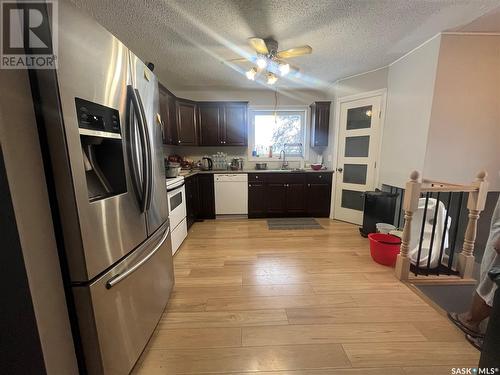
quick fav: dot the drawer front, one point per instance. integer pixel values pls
(287, 178)
(319, 178)
(256, 177)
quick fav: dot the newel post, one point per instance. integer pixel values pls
(410, 205)
(475, 204)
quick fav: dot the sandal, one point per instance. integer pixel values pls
(456, 320)
(476, 342)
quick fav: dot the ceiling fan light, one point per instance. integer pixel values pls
(261, 62)
(284, 69)
(271, 79)
(251, 74)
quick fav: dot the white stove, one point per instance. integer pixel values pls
(176, 197)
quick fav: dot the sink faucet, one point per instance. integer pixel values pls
(284, 164)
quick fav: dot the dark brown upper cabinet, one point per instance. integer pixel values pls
(320, 123)
(168, 116)
(210, 120)
(235, 124)
(223, 123)
(187, 133)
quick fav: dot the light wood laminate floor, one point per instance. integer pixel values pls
(248, 299)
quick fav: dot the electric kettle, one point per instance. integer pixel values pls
(206, 164)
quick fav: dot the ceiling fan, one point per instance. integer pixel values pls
(270, 60)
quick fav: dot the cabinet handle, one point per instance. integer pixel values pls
(309, 185)
(178, 141)
(249, 185)
(320, 176)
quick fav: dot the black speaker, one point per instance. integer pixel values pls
(379, 207)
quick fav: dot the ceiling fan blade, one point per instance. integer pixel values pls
(294, 52)
(238, 60)
(258, 45)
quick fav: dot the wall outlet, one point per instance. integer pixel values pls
(330, 157)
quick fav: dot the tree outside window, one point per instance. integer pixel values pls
(281, 131)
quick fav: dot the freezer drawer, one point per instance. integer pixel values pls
(118, 312)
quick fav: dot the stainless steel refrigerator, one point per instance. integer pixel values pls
(99, 115)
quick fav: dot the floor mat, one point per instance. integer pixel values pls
(452, 298)
(293, 223)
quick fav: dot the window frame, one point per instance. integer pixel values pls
(304, 113)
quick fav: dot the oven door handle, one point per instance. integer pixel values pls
(175, 187)
(121, 276)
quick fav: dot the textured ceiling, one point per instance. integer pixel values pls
(489, 23)
(189, 40)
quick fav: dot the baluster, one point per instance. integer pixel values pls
(475, 204)
(410, 204)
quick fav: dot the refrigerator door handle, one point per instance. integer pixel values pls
(149, 152)
(121, 276)
(133, 113)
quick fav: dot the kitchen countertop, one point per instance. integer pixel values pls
(189, 173)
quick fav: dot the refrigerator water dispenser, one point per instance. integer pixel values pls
(102, 149)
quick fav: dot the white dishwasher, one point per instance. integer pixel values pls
(231, 194)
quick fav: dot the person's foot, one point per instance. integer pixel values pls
(461, 321)
(476, 342)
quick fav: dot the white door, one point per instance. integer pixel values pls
(357, 157)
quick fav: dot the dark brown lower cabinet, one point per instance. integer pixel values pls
(192, 200)
(296, 199)
(289, 194)
(256, 199)
(275, 199)
(200, 198)
(318, 200)
(206, 196)
(319, 194)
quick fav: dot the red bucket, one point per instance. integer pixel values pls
(384, 248)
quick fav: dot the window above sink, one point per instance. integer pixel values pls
(281, 130)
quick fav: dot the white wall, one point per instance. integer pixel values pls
(409, 101)
(370, 81)
(464, 135)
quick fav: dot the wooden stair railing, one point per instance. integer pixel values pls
(477, 191)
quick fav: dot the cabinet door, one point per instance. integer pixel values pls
(276, 199)
(295, 199)
(256, 200)
(320, 123)
(235, 124)
(191, 200)
(172, 120)
(164, 113)
(186, 123)
(210, 124)
(167, 101)
(206, 196)
(318, 199)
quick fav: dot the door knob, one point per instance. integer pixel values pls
(339, 170)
